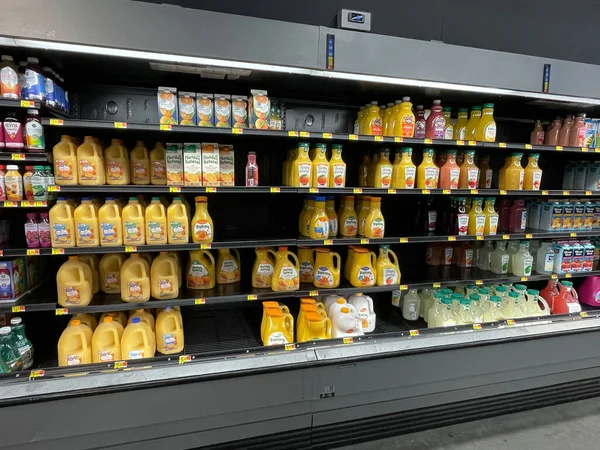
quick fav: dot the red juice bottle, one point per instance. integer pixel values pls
(503, 215)
(436, 122)
(251, 170)
(517, 222)
(32, 234)
(44, 230)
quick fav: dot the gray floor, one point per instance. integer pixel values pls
(569, 426)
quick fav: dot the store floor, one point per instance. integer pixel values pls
(570, 425)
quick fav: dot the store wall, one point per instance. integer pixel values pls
(553, 28)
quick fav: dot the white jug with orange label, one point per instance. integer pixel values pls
(106, 341)
(65, 162)
(137, 341)
(62, 224)
(90, 162)
(86, 224)
(94, 263)
(156, 223)
(110, 273)
(366, 312)
(116, 159)
(163, 276)
(135, 280)
(74, 283)
(110, 223)
(169, 331)
(74, 345)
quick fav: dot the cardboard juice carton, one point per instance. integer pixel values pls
(239, 111)
(259, 110)
(590, 133)
(192, 164)
(167, 105)
(551, 218)
(187, 108)
(174, 160)
(222, 111)
(226, 165)
(210, 165)
(205, 109)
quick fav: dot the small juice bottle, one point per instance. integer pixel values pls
(372, 120)
(348, 218)
(116, 160)
(472, 123)
(491, 217)
(13, 183)
(403, 170)
(460, 127)
(533, 174)
(514, 173)
(301, 167)
(158, 165)
(62, 225)
(469, 172)
(202, 224)
(200, 273)
(228, 266)
(337, 167)
(318, 225)
(486, 127)
(427, 172)
(383, 170)
(134, 227)
(332, 216)
(177, 223)
(450, 172)
(140, 164)
(27, 184)
(363, 171)
(156, 223)
(374, 222)
(485, 173)
(476, 217)
(86, 224)
(404, 123)
(91, 162)
(386, 120)
(286, 273)
(320, 167)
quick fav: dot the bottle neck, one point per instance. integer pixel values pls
(451, 158)
(373, 206)
(406, 157)
(469, 158)
(475, 114)
(428, 157)
(336, 154)
(533, 162)
(201, 207)
(384, 157)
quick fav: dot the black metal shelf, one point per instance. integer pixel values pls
(36, 104)
(25, 204)
(14, 158)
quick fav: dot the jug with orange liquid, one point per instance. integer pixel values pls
(91, 162)
(177, 223)
(286, 273)
(163, 275)
(135, 280)
(306, 257)
(86, 319)
(144, 316)
(74, 283)
(110, 223)
(134, 224)
(66, 171)
(156, 223)
(316, 327)
(327, 272)
(278, 328)
(116, 160)
(110, 272)
(158, 165)
(62, 224)
(106, 341)
(228, 266)
(362, 270)
(137, 341)
(264, 265)
(117, 316)
(74, 345)
(140, 164)
(86, 224)
(388, 271)
(374, 222)
(94, 262)
(200, 273)
(202, 224)
(169, 331)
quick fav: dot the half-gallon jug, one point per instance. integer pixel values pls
(306, 256)
(228, 266)
(134, 226)
(94, 263)
(336, 307)
(137, 341)
(331, 299)
(316, 327)
(156, 223)
(566, 302)
(362, 271)
(550, 292)
(589, 291)
(74, 345)
(278, 328)
(74, 283)
(200, 272)
(62, 224)
(266, 305)
(344, 323)
(110, 272)
(158, 166)
(388, 271)
(366, 313)
(90, 162)
(135, 280)
(140, 164)
(86, 319)
(163, 275)
(327, 268)
(86, 224)
(106, 341)
(286, 273)
(178, 230)
(110, 223)
(169, 332)
(264, 265)
(65, 162)
(202, 224)
(116, 160)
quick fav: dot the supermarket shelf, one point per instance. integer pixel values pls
(9, 103)
(6, 156)
(154, 189)
(539, 148)
(24, 204)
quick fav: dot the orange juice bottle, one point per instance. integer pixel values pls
(427, 172)
(140, 164)
(386, 120)
(372, 167)
(533, 174)
(363, 171)
(177, 223)
(301, 167)
(491, 217)
(337, 167)
(110, 272)
(134, 227)
(363, 205)
(163, 276)
(305, 214)
(286, 273)
(362, 269)
(327, 272)
(91, 162)
(403, 170)
(62, 225)
(469, 172)
(74, 283)
(138, 341)
(460, 127)
(156, 223)
(476, 217)
(485, 173)
(278, 328)
(110, 223)
(374, 222)
(74, 345)
(202, 224)
(65, 162)
(135, 280)
(86, 224)
(169, 331)
(502, 173)
(106, 341)
(264, 264)
(514, 174)
(372, 120)
(388, 270)
(404, 123)
(158, 165)
(318, 224)
(291, 156)
(320, 167)
(358, 121)
(228, 266)
(383, 170)
(200, 272)
(334, 225)
(450, 172)
(348, 220)
(393, 117)
(486, 127)
(116, 160)
(472, 123)
(94, 262)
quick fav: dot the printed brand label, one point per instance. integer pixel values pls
(409, 177)
(115, 171)
(521, 178)
(73, 360)
(136, 354)
(537, 180)
(156, 231)
(386, 176)
(438, 124)
(178, 231)
(420, 126)
(454, 177)
(73, 295)
(321, 227)
(408, 125)
(13, 134)
(322, 173)
(449, 131)
(135, 290)
(202, 230)
(490, 132)
(339, 175)
(333, 225)
(264, 274)
(377, 228)
(528, 264)
(87, 169)
(323, 277)
(472, 178)
(493, 225)
(106, 355)
(431, 220)
(140, 173)
(428, 255)
(166, 287)
(133, 233)
(62, 233)
(488, 178)
(469, 257)
(448, 252)
(523, 220)
(10, 82)
(390, 276)
(229, 265)
(505, 260)
(170, 341)
(64, 170)
(197, 276)
(350, 226)
(36, 86)
(376, 126)
(34, 135)
(277, 338)
(479, 224)
(159, 170)
(366, 276)
(431, 177)
(112, 280)
(304, 175)
(463, 224)
(306, 271)
(288, 278)
(85, 234)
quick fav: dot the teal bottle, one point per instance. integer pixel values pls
(9, 352)
(23, 344)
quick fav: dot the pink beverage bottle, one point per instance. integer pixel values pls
(31, 231)
(251, 170)
(420, 122)
(436, 122)
(13, 132)
(44, 230)
(2, 184)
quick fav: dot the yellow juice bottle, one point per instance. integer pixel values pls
(178, 230)
(363, 206)
(286, 273)
(337, 167)
(156, 223)
(320, 167)
(363, 171)
(291, 156)
(91, 162)
(485, 173)
(371, 171)
(403, 170)
(110, 223)
(202, 224)
(74, 283)
(163, 276)
(110, 272)
(74, 345)
(476, 217)
(388, 271)
(332, 216)
(393, 117)
(301, 168)
(135, 279)
(472, 123)
(140, 164)
(404, 124)
(228, 266)
(306, 258)
(169, 331)
(134, 225)
(372, 120)
(491, 217)
(502, 173)
(386, 119)
(116, 164)
(264, 265)
(514, 174)
(383, 170)
(533, 174)
(486, 127)
(86, 224)
(469, 172)
(427, 173)
(307, 208)
(318, 224)
(158, 165)
(278, 327)
(348, 218)
(328, 265)
(200, 271)
(94, 262)
(362, 269)
(66, 167)
(62, 224)
(374, 221)
(138, 340)
(106, 341)
(357, 122)
(460, 127)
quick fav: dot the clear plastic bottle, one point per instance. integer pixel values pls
(23, 344)
(545, 259)
(511, 249)
(485, 255)
(494, 313)
(500, 258)
(411, 304)
(522, 261)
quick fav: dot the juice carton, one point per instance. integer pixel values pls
(596, 224)
(205, 110)
(588, 216)
(226, 165)
(568, 216)
(210, 165)
(174, 159)
(578, 216)
(239, 111)
(588, 256)
(597, 135)
(222, 111)
(578, 253)
(192, 164)
(551, 216)
(590, 133)
(563, 257)
(167, 105)
(187, 108)
(259, 109)
(10, 284)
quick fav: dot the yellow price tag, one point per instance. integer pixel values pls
(479, 282)
(313, 293)
(17, 157)
(404, 287)
(348, 340)
(425, 191)
(58, 251)
(120, 364)
(451, 238)
(583, 314)
(292, 133)
(61, 311)
(391, 191)
(275, 190)
(567, 275)
(502, 144)
(506, 236)
(378, 138)
(472, 143)
(446, 191)
(57, 122)
(38, 373)
(474, 191)
(166, 127)
(596, 150)
(588, 192)
(528, 236)
(313, 190)
(544, 192)
(289, 347)
(28, 104)
(205, 246)
(18, 309)
(328, 242)
(26, 203)
(174, 189)
(584, 149)
(53, 188)
(357, 190)
(479, 238)
(252, 296)
(398, 139)
(566, 193)
(524, 278)
(413, 333)
(510, 322)
(327, 136)
(554, 276)
(9, 204)
(460, 142)
(528, 146)
(427, 141)
(403, 240)
(212, 189)
(502, 192)
(40, 203)
(477, 326)
(130, 249)
(33, 252)
(304, 134)
(364, 241)
(437, 284)
(353, 137)
(200, 301)
(120, 124)
(573, 234)
(237, 131)
(187, 358)
(559, 148)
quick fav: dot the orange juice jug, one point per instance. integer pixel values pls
(362, 271)
(427, 172)
(264, 265)
(306, 258)
(315, 327)
(177, 223)
(110, 272)
(110, 223)
(348, 219)
(403, 170)
(332, 216)
(320, 167)
(472, 123)
(200, 272)
(145, 316)
(202, 224)
(318, 224)
(374, 222)
(265, 319)
(86, 224)
(140, 164)
(90, 162)
(337, 167)
(485, 173)
(502, 173)
(94, 262)
(177, 257)
(363, 205)
(228, 266)
(74, 345)
(383, 170)
(327, 268)
(156, 223)
(116, 160)
(134, 226)
(372, 120)
(65, 162)
(301, 167)
(450, 172)
(305, 214)
(388, 271)
(62, 224)
(404, 123)
(137, 341)
(533, 174)
(349, 261)
(460, 127)
(476, 217)
(286, 273)
(135, 280)
(106, 341)
(278, 328)
(74, 283)
(486, 127)
(117, 316)
(86, 319)
(469, 172)
(514, 174)
(163, 277)
(371, 170)
(363, 171)
(491, 217)
(158, 165)
(169, 332)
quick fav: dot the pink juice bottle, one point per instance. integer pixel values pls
(44, 230)
(251, 170)
(420, 122)
(436, 122)
(32, 234)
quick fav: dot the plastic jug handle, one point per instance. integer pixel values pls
(272, 252)
(210, 256)
(295, 258)
(395, 259)
(327, 327)
(373, 260)
(338, 263)
(289, 323)
(543, 301)
(237, 255)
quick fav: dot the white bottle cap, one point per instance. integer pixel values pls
(16, 321)
(7, 58)
(373, 103)
(31, 59)
(406, 99)
(437, 102)
(5, 330)
(12, 167)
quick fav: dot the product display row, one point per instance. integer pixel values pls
(18, 135)
(32, 185)
(572, 131)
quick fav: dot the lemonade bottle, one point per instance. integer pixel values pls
(363, 171)
(404, 123)
(156, 223)
(469, 172)
(301, 167)
(94, 263)
(228, 266)
(140, 164)
(86, 224)
(134, 227)
(347, 218)
(533, 174)
(363, 207)
(514, 173)
(486, 127)
(106, 341)
(403, 170)
(177, 223)
(332, 216)
(318, 224)
(427, 172)
(137, 341)
(286, 273)
(374, 222)
(158, 165)
(110, 223)
(135, 280)
(383, 170)
(320, 167)
(169, 331)
(200, 272)
(163, 276)
(372, 120)
(116, 159)
(74, 283)
(264, 265)
(460, 127)
(485, 173)
(202, 224)
(499, 259)
(522, 261)
(74, 345)
(337, 167)
(491, 217)
(110, 272)
(388, 271)
(476, 217)
(90, 162)
(450, 172)
(62, 224)
(371, 170)
(472, 123)
(386, 119)
(65, 162)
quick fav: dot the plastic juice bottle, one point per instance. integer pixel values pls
(169, 332)
(90, 162)
(565, 131)
(163, 276)
(156, 223)
(27, 185)
(106, 342)
(286, 273)
(202, 224)
(502, 173)
(332, 216)
(158, 165)
(485, 173)
(449, 128)
(404, 123)
(486, 127)
(285, 176)
(469, 172)
(24, 346)
(306, 256)
(110, 273)
(518, 217)
(393, 117)
(371, 170)
(491, 217)
(362, 270)
(374, 222)
(140, 164)
(278, 328)
(200, 272)
(116, 160)
(86, 224)
(388, 271)
(532, 178)
(363, 171)
(372, 120)
(318, 225)
(110, 223)
(302, 217)
(327, 272)
(74, 283)
(177, 223)
(301, 167)
(436, 122)
(337, 167)
(363, 204)
(403, 170)
(522, 261)
(137, 341)
(134, 227)
(514, 175)
(450, 172)
(264, 265)
(460, 127)
(118, 316)
(62, 225)
(135, 279)
(348, 218)
(306, 216)
(472, 123)
(387, 119)
(228, 266)
(499, 259)
(93, 261)
(358, 121)
(74, 345)
(427, 172)
(13, 183)
(320, 167)
(383, 170)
